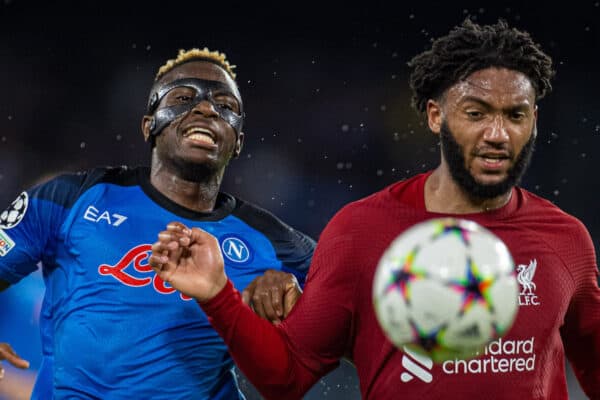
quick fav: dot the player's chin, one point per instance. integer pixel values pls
(487, 180)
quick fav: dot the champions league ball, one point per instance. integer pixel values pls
(445, 288)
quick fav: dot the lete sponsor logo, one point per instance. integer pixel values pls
(136, 259)
(6, 243)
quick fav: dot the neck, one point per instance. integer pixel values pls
(443, 195)
(195, 195)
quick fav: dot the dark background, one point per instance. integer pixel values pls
(324, 86)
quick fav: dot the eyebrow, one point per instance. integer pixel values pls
(480, 101)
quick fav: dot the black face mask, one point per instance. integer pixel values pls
(453, 153)
(204, 92)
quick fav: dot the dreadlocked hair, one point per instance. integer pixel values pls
(470, 47)
(196, 54)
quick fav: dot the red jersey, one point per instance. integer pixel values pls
(559, 310)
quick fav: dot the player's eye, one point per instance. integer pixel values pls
(225, 106)
(474, 114)
(517, 116)
(183, 98)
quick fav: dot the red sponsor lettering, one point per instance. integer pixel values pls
(137, 258)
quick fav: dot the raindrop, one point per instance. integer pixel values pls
(10, 117)
(134, 46)
(262, 139)
(238, 180)
(379, 172)
(82, 145)
(345, 128)
(3, 139)
(583, 155)
(597, 128)
(299, 140)
(411, 16)
(394, 54)
(249, 155)
(148, 47)
(556, 192)
(119, 137)
(393, 76)
(311, 203)
(383, 107)
(340, 165)
(396, 136)
(348, 165)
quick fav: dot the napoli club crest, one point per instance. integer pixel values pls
(236, 249)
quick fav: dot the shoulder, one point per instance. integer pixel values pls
(550, 220)
(365, 212)
(266, 222)
(65, 188)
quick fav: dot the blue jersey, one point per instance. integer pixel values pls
(111, 329)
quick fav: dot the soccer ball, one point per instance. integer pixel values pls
(445, 288)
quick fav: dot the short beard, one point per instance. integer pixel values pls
(453, 153)
(193, 172)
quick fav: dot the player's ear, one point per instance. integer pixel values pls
(146, 126)
(238, 145)
(434, 116)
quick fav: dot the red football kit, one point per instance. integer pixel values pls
(559, 310)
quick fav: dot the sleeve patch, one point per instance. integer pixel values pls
(15, 212)
(6, 243)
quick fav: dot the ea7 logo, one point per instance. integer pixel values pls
(94, 215)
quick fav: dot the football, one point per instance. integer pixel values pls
(445, 288)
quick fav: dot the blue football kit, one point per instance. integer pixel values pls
(111, 328)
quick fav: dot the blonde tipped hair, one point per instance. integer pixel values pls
(196, 54)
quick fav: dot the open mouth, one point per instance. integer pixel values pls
(199, 134)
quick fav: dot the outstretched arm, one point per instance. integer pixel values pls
(283, 361)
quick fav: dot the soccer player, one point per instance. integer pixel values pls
(112, 328)
(477, 87)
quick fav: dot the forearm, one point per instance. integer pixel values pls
(259, 348)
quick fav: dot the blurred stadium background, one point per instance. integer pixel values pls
(326, 95)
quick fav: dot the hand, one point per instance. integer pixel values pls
(272, 295)
(189, 260)
(7, 353)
